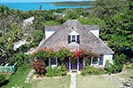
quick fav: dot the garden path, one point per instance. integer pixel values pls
(27, 80)
(73, 80)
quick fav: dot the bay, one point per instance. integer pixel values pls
(26, 6)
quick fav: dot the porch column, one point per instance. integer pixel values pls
(91, 60)
(69, 64)
(56, 62)
(98, 61)
(78, 64)
(49, 61)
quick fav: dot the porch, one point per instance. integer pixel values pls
(76, 64)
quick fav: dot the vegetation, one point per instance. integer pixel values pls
(49, 53)
(18, 79)
(56, 71)
(38, 65)
(92, 71)
(113, 16)
(71, 3)
(2, 79)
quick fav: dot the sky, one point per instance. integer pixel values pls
(40, 0)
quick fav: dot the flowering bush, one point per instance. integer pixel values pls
(38, 65)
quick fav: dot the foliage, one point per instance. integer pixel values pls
(74, 14)
(114, 68)
(21, 59)
(40, 54)
(2, 78)
(92, 70)
(67, 3)
(117, 65)
(92, 21)
(38, 65)
(35, 37)
(49, 53)
(51, 23)
(120, 59)
(55, 71)
(108, 8)
(63, 53)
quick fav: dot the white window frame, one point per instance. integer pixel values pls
(53, 65)
(73, 36)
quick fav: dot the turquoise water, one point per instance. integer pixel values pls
(36, 6)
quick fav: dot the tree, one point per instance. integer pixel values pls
(108, 8)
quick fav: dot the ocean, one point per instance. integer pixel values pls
(35, 6)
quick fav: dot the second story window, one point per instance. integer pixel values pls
(73, 37)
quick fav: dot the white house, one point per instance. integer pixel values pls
(74, 36)
(28, 21)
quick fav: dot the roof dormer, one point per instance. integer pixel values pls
(74, 37)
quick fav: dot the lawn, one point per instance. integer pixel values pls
(63, 82)
(18, 78)
(103, 81)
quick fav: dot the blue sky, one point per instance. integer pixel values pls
(40, 0)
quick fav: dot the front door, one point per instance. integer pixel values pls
(74, 64)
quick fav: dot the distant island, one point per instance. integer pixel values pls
(73, 3)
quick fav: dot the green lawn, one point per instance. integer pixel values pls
(18, 78)
(63, 82)
(102, 81)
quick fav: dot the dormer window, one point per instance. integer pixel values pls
(73, 37)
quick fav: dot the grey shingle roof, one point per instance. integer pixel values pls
(51, 28)
(88, 41)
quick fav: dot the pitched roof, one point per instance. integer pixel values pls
(88, 27)
(88, 41)
(51, 28)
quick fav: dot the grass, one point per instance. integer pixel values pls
(103, 81)
(18, 78)
(63, 82)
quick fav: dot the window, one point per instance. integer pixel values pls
(53, 62)
(101, 60)
(95, 61)
(73, 37)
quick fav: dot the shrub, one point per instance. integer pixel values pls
(38, 65)
(118, 63)
(114, 68)
(92, 70)
(55, 71)
(3, 80)
(21, 59)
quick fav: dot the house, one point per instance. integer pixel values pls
(19, 43)
(73, 35)
(28, 21)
